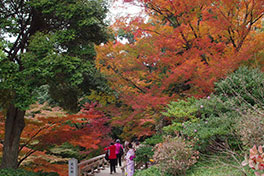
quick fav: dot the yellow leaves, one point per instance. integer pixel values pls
(259, 25)
(101, 97)
(44, 110)
(40, 161)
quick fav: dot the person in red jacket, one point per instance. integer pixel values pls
(112, 157)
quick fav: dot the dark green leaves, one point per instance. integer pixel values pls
(52, 45)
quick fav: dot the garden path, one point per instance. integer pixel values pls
(106, 172)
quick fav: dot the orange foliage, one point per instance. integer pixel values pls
(180, 51)
(47, 126)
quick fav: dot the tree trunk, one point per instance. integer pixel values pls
(14, 125)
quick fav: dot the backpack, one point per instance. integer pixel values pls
(121, 151)
(107, 155)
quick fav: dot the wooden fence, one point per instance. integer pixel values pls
(92, 166)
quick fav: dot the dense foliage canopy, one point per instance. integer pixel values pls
(180, 50)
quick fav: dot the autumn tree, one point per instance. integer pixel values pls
(45, 42)
(49, 128)
(179, 51)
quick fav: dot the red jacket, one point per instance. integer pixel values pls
(112, 150)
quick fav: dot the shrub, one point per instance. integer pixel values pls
(152, 171)
(152, 141)
(180, 112)
(214, 105)
(224, 115)
(175, 155)
(47, 174)
(21, 172)
(144, 154)
(214, 122)
(245, 84)
(210, 131)
(250, 127)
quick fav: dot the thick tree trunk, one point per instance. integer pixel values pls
(14, 126)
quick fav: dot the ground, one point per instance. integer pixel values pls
(106, 172)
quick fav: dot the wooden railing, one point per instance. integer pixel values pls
(92, 166)
(95, 165)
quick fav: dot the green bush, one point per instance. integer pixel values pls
(229, 118)
(208, 132)
(152, 171)
(18, 172)
(214, 122)
(144, 153)
(245, 84)
(21, 172)
(214, 105)
(222, 114)
(180, 112)
(200, 110)
(47, 174)
(152, 141)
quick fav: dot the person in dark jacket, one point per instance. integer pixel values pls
(112, 157)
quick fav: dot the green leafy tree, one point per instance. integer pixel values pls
(180, 112)
(144, 154)
(45, 42)
(231, 115)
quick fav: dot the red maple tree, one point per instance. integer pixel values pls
(48, 127)
(179, 51)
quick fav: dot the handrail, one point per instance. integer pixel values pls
(91, 166)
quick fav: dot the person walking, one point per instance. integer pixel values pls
(130, 163)
(137, 145)
(112, 157)
(119, 152)
(126, 146)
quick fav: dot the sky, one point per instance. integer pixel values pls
(119, 9)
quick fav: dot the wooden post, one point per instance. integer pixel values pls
(73, 167)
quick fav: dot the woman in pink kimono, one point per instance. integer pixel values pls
(130, 163)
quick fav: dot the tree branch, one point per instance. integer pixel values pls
(26, 156)
(128, 80)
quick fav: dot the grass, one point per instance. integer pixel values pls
(214, 167)
(207, 166)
